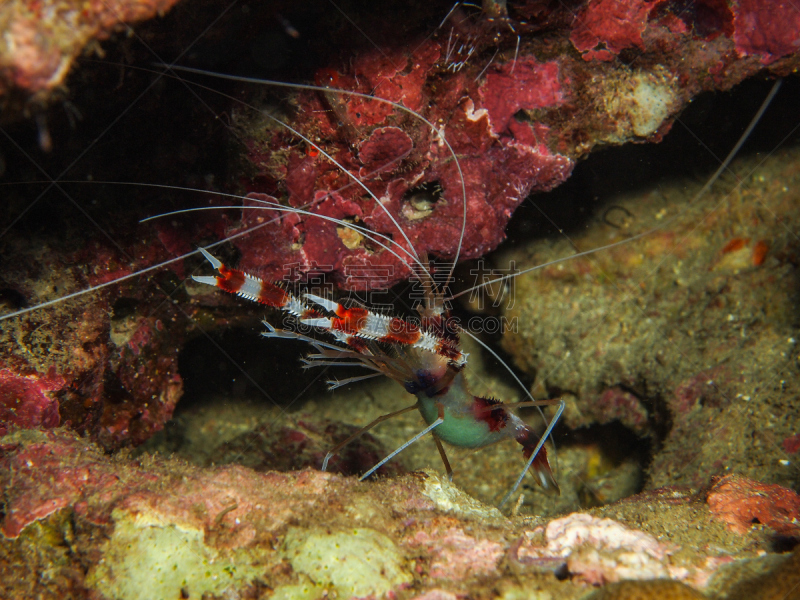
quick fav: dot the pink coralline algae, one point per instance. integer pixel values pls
(516, 124)
(792, 444)
(616, 403)
(603, 28)
(457, 555)
(600, 551)
(409, 169)
(27, 400)
(517, 119)
(436, 594)
(52, 459)
(52, 471)
(100, 369)
(768, 28)
(742, 503)
(703, 387)
(526, 84)
(118, 511)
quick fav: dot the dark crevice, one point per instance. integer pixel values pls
(12, 299)
(123, 307)
(612, 446)
(248, 367)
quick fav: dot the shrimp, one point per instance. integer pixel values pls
(426, 360)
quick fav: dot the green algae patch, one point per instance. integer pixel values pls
(356, 562)
(172, 559)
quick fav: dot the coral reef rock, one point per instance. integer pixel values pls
(100, 526)
(686, 337)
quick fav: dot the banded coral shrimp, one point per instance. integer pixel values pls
(125, 306)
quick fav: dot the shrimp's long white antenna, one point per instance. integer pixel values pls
(557, 260)
(486, 347)
(742, 139)
(356, 180)
(296, 133)
(447, 16)
(367, 233)
(723, 166)
(100, 286)
(527, 392)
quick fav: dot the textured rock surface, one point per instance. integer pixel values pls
(740, 502)
(686, 336)
(103, 368)
(518, 120)
(104, 526)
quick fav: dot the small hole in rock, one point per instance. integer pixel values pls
(420, 201)
(562, 572)
(123, 307)
(12, 299)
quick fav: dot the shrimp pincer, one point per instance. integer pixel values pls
(426, 359)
